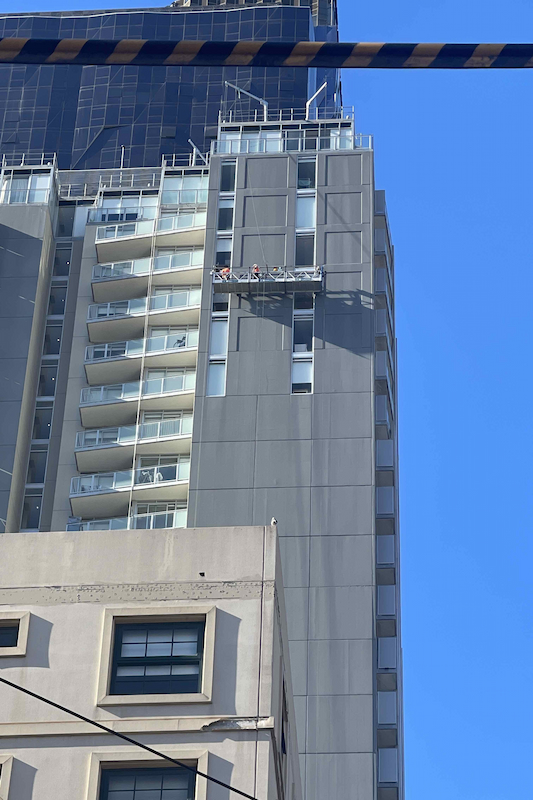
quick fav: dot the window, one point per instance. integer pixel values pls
(385, 453)
(303, 335)
(9, 634)
(303, 301)
(42, 422)
(385, 549)
(387, 708)
(307, 174)
(149, 783)
(47, 382)
(305, 211)
(387, 652)
(305, 250)
(388, 765)
(31, 510)
(157, 658)
(385, 500)
(386, 599)
(227, 176)
(14, 627)
(223, 253)
(225, 214)
(6, 764)
(157, 655)
(37, 464)
(58, 296)
(52, 340)
(62, 260)
(216, 379)
(218, 345)
(302, 376)
(220, 302)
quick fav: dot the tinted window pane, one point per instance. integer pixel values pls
(303, 335)
(305, 251)
(225, 215)
(9, 635)
(42, 423)
(37, 467)
(227, 177)
(306, 174)
(305, 212)
(52, 340)
(216, 379)
(47, 382)
(31, 512)
(302, 376)
(218, 345)
(147, 784)
(58, 295)
(62, 260)
(303, 300)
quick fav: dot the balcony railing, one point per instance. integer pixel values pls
(92, 395)
(138, 347)
(160, 302)
(163, 519)
(239, 146)
(230, 115)
(128, 434)
(30, 159)
(129, 478)
(122, 214)
(148, 226)
(144, 266)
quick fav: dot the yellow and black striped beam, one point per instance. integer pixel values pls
(371, 55)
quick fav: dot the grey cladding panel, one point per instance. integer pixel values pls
(338, 510)
(261, 212)
(225, 465)
(344, 247)
(265, 250)
(344, 209)
(280, 464)
(269, 374)
(344, 170)
(266, 173)
(208, 508)
(259, 334)
(290, 506)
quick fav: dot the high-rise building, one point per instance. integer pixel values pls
(207, 339)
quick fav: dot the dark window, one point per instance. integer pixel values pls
(157, 658)
(220, 302)
(62, 260)
(303, 335)
(58, 295)
(225, 215)
(305, 251)
(52, 340)
(47, 382)
(303, 300)
(227, 177)
(147, 784)
(42, 423)
(9, 634)
(31, 511)
(306, 174)
(37, 466)
(65, 220)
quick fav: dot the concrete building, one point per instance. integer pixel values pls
(210, 341)
(175, 637)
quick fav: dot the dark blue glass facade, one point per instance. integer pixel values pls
(93, 117)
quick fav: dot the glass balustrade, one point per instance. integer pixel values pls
(130, 478)
(91, 395)
(146, 227)
(165, 519)
(144, 266)
(163, 302)
(136, 347)
(127, 434)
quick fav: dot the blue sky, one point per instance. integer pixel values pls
(453, 151)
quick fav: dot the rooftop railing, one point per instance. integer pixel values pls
(163, 519)
(128, 434)
(93, 395)
(230, 115)
(130, 478)
(30, 159)
(297, 144)
(144, 266)
(136, 347)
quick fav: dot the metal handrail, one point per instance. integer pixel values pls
(298, 144)
(130, 478)
(136, 347)
(29, 159)
(326, 113)
(144, 266)
(128, 434)
(93, 395)
(279, 274)
(146, 227)
(170, 519)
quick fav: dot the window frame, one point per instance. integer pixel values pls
(6, 765)
(22, 618)
(112, 616)
(131, 757)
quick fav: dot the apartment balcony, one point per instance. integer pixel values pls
(126, 318)
(117, 404)
(122, 360)
(165, 519)
(109, 493)
(114, 448)
(136, 239)
(268, 280)
(124, 279)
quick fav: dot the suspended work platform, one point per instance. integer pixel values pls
(268, 280)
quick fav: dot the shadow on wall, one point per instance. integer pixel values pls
(22, 780)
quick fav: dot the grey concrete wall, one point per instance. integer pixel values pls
(25, 270)
(307, 460)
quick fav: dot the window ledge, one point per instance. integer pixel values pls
(151, 699)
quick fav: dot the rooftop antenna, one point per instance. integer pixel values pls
(196, 153)
(308, 104)
(253, 96)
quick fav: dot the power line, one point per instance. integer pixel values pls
(127, 739)
(345, 55)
